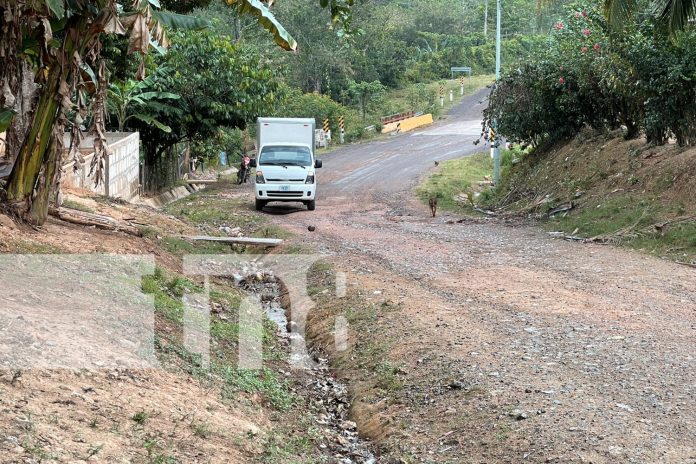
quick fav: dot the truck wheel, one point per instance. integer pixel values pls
(311, 205)
(260, 204)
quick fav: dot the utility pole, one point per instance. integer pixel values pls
(485, 21)
(496, 142)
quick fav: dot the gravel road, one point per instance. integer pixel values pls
(514, 347)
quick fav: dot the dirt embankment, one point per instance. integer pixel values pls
(181, 412)
(611, 190)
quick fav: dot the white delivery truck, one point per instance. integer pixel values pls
(285, 164)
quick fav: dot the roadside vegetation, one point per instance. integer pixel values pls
(604, 116)
(606, 189)
(638, 77)
(460, 184)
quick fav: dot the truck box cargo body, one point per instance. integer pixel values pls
(285, 163)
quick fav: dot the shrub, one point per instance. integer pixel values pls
(297, 104)
(639, 79)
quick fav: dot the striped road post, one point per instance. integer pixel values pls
(327, 130)
(342, 127)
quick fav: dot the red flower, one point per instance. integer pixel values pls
(561, 80)
(577, 14)
(584, 49)
(586, 32)
(558, 26)
(584, 13)
(597, 47)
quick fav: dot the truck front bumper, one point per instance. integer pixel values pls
(285, 192)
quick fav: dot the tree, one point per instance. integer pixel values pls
(364, 92)
(675, 14)
(319, 64)
(133, 99)
(65, 38)
(220, 84)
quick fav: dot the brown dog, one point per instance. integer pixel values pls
(433, 205)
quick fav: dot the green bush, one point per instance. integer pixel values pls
(639, 79)
(228, 140)
(297, 104)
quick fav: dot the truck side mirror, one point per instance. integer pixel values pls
(317, 164)
(252, 163)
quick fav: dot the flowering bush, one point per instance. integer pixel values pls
(638, 79)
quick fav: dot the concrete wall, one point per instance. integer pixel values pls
(121, 174)
(408, 124)
(123, 167)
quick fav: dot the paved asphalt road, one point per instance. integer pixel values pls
(395, 164)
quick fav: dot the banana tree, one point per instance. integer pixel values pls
(131, 100)
(6, 116)
(65, 44)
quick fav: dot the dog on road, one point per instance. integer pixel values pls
(432, 202)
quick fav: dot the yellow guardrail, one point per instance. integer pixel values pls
(408, 124)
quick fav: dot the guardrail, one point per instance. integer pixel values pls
(396, 117)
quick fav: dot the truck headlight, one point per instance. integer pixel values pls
(259, 178)
(310, 179)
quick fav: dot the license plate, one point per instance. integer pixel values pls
(284, 188)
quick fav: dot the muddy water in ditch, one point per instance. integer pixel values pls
(328, 397)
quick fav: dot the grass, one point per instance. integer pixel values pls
(68, 203)
(618, 194)
(168, 290)
(388, 377)
(263, 381)
(629, 219)
(367, 360)
(607, 217)
(167, 303)
(201, 429)
(209, 208)
(285, 446)
(22, 246)
(209, 212)
(140, 417)
(453, 178)
(180, 247)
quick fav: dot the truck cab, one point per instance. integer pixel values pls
(285, 163)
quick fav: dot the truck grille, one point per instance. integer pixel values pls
(285, 180)
(276, 193)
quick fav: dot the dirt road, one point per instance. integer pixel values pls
(511, 346)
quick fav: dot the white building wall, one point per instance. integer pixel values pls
(121, 169)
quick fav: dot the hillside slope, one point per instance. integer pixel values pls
(618, 191)
(184, 411)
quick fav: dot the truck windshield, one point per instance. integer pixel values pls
(286, 155)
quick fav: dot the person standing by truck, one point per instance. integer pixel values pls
(244, 168)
